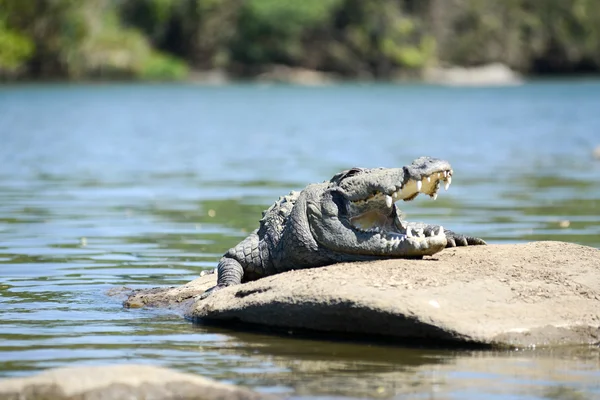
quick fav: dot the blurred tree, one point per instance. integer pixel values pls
(44, 24)
(539, 36)
(15, 49)
(381, 38)
(148, 39)
(273, 32)
(372, 38)
(108, 50)
(568, 35)
(78, 40)
(196, 30)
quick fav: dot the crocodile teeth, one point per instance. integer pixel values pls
(441, 231)
(447, 183)
(428, 179)
(409, 232)
(388, 200)
(445, 174)
(434, 196)
(419, 186)
(395, 195)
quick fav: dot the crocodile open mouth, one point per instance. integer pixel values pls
(378, 213)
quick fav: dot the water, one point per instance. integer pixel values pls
(143, 186)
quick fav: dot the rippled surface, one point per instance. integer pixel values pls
(104, 186)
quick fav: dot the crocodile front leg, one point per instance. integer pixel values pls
(247, 261)
(230, 272)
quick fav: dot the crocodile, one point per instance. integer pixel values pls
(351, 217)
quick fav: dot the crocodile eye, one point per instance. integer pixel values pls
(346, 174)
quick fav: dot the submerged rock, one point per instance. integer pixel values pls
(495, 74)
(533, 294)
(295, 76)
(120, 382)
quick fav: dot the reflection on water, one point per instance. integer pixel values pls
(103, 186)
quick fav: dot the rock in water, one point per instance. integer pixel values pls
(513, 295)
(120, 382)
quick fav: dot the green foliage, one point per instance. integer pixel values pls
(478, 28)
(163, 67)
(15, 49)
(81, 40)
(404, 45)
(158, 39)
(196, 30)
(532, 35)
(111, 51)
(272, 31)
(290, 17)
(572, 34)
(385, 38)
(150, 16)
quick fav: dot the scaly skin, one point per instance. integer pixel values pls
(351, 217)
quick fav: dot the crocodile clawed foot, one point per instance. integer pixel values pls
(208, 272)
(455, 239)
(208, 292)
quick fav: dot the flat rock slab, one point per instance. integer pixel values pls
(532, 294)
(120, 382)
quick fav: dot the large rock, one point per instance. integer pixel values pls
(540, 293)
(119, 382)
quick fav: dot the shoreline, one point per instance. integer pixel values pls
(252, 82)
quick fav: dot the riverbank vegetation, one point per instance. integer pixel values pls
(364, 39)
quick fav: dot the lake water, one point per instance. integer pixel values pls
(147, 185)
